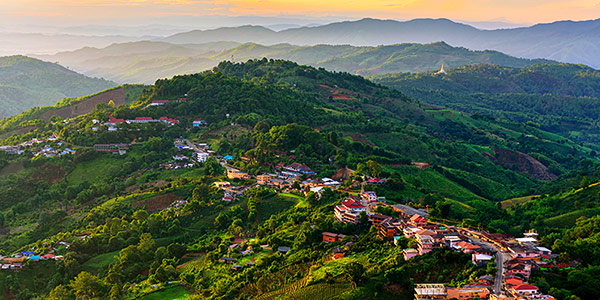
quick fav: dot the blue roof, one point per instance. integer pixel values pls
(28, 253)
(34, 257)
(228, 157)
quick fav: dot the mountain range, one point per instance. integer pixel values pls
(26, 82)
(565, 41)
(146, 61)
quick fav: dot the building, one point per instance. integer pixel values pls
(388, 228)
(425, 243)
(430, 291)
(338, 253)
(263, 179)
(467, 293)
(329, 237)
(111, 147)
(480, 259)
(297, 168)
(349, 211)
(418, 221)
(410, 253)
(159, 102)
(222, 184)
(199, 123)
(236, 174)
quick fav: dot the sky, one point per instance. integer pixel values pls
(138, 12)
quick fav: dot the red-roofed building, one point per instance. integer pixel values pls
(329, 237)
(466, 247)
(112, 121)
(418, 221)
(159, 102)
(526, 289)
(349, 211)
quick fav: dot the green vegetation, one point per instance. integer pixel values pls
(126, 241)
(26, 83)
(558, 98)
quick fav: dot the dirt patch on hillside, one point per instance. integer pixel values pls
(49, 173)
(19, 131)
(118, 96)
(358, 138)
(13, 168)
(157, 202)
(521, 163)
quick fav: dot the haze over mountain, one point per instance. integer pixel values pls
(565, 41)
(144, 62)
(26, 82)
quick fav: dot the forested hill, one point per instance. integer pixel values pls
(561, 98)
(148, 61)
(131, 221)
(26, 82)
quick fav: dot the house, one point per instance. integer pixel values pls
(222, 184)
(237, 267)
(236, 174)
(410, 253)
(466, 247)
(329, 237)
(180, 157)
(199, 123)
(544, 251)
(235, 247)
(427, 291)
(228, 157)
(420, 165)
(425, 243)
(227, 260)
(451, 240)
(110, 147)
(409, 231)
(349, 211)
(526, 289)
(159, 102)
(467, 293)
(114, 121)
(418, 221)
(201, 156)
(480, 259)
(338, 253)
(388, 228)
(486, 279)
(513, 280)
(283, 249)
(263, 179)
(296, 168)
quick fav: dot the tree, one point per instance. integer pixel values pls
(354, 272)
(88, 286)
(60, 292)
(374, 168)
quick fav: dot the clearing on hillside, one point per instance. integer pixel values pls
(118, 96)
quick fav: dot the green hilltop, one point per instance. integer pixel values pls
(126, 240)
(144, 62)
(26, 82)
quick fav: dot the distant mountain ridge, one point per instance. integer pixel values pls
(145, 62)
(565, 41)
(26, 82)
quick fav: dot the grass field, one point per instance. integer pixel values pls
(100, 263)
(272, 205)
(173, 293)
(95, 169)
(568, 219)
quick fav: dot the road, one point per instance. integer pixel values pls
(501, 257)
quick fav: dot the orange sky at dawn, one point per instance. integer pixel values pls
(523, 11)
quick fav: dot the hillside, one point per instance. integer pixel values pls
(560, 98)
(27, 82)
(142, 222)
(565, 41)
(145, 62)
